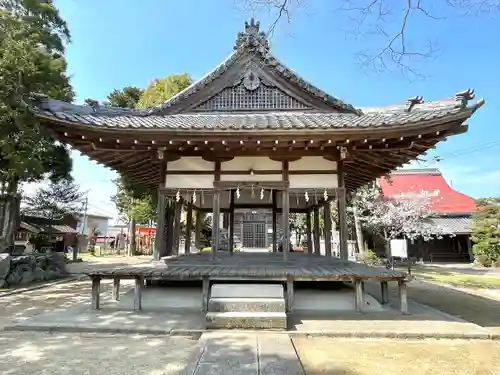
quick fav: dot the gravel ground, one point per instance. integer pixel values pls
(323, 356)
(23, 353)
(41, 353)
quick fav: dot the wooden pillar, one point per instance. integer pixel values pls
(216, 212)
(197, 229)
(316, 231)
(116, 289)
(96, 292)
(230, 242)
(327, 223)
(310, 246)
(131, 237)
(177, 227)
(275, 224)
(189, 227)
(341, 200)
(160, 238)
(384, 291)
(170, 226)
(402, 286)
(139, 283)
(358, 284)
(285, 211)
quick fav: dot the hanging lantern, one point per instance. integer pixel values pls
(306, 196)
(297, 199)
(202, 198)
(271, 195)
(178, 196)
(262, 193)
(325, 195)
(253, 193)
(238, 192)
(315, 197)
(193, 197)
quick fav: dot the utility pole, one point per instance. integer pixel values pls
(84, 221)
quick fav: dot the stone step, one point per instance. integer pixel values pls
(246, 320)
(247, 291)
(246, 305)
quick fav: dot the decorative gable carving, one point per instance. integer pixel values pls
(251, 93)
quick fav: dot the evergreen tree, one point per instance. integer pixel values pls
(486, 231)
(32, 37)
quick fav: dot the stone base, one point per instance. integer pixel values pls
(247, 291)
(246, 305)
(246, 320)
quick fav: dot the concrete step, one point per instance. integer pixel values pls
(246, 304)
(247, 291)
(246, 320)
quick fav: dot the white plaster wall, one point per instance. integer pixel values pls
(246, 163)
(312, 163)
(191, 163)
(309, 181)
(189, 181)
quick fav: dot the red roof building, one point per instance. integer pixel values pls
(453, 213)
(444, 199)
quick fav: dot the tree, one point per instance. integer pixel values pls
(389, 25)
(486, 231)
(59, 200)
(163, 89)
(32, 37)
(132, 204)
(408, 216)
(128, 97)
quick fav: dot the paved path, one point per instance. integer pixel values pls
(222, 353)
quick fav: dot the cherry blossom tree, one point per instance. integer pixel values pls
(408, 216)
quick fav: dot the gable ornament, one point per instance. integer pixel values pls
(251, 82)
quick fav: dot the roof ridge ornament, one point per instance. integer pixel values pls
(252, 36)
(465, 96)
(410, 103)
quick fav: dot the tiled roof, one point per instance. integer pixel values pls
(254, 42)
(454, 225)
(444, 199)
(111, 118)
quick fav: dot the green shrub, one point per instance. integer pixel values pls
(370, 258)
(483, 260)
(496, 263)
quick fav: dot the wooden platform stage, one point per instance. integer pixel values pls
(255, 267)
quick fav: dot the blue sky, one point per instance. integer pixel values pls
(117, 43)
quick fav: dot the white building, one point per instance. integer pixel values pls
(87, 223)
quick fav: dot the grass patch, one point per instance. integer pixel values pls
(439, 275)
(323, 356)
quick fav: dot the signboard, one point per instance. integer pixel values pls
(399, 248)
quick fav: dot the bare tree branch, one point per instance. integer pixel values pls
(399, 49)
